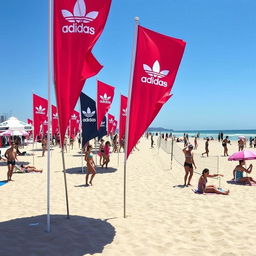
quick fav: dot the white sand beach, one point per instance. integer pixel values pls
(162, 217)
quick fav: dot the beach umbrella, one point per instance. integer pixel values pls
(14, 133)
(243, 155)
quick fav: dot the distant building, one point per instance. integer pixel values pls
(3, 118)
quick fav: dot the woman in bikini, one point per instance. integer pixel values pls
(202, 188)
(238, 174)
(224, 144)
(106, 158)
(90, 165)
(188, 165)
(101, 150)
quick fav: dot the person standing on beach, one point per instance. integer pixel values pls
(106, 156)
(206, 147)
(195, 142)
(90, 165)
(11, 156)
(44, 145)
(188, 165)
(224, 144)
(152, 141)
(240, 144)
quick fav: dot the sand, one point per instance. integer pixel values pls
(162, 217)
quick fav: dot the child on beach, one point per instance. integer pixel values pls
(202, 188)
(188, 165)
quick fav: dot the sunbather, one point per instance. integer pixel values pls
(202, 188)
(238, 174)
(28, 168)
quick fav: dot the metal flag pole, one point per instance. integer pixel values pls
(119, 132)
(80, 134)
(128, 107)
(97, 116)
(172, 152)
(50, 6)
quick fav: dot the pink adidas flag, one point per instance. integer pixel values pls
(156, 64)
(105, 95)
(114, 126)
(122, 116)
(78, 25)
(111, 119)
(40, 109)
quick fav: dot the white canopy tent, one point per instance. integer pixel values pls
(14, 124)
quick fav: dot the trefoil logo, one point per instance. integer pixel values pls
(155, 75)
(79, 16)
(105, 99)
(103, 124)
(124, 112)
(73, 117)
(40, 110)
(89, 114)
(55, 116)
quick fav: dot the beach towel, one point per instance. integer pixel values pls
(3, 182)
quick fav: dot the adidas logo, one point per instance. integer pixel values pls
(73, 117)
(89, 114)
(105, 99)
(40, 110)
(79, 16)
(103, 124)
(45, 122)
(111, 121)
(124, 112)
(155, 74)
(55, 116)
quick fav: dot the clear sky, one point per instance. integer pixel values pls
(216, 84)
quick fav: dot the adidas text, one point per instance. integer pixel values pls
(74, 28)
(152, 80)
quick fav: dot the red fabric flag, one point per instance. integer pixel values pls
(111, 119)
(29, 121)
(156, 64)
(40, 109)
(45, 127)
(114, 126)
(55, 121)
(74, 123)
(77, 26)
(122, 116)
(105, 95)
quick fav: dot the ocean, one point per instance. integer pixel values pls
(233, 134)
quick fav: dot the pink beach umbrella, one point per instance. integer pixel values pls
(243, 155)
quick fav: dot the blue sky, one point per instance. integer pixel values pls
(216, 84)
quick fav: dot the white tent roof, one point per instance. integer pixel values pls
(14, 124)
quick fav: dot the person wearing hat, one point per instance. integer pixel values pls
(188, 164)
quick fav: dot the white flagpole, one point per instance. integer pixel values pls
(80, 134)
(129, 103)
(120, 113)
(50, 3)
(97, 116)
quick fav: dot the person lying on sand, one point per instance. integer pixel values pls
(238, 174)
(27, 168)
(202, 188)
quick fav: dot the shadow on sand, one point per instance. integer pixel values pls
(74, 237)
(18, 163)
(99, 170)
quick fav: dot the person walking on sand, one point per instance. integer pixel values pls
(11, 156)
(240, 144)
(202, 188)
(224, 144)
(90, 165)
(106, 158)
(188, 165)
(206, 147)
